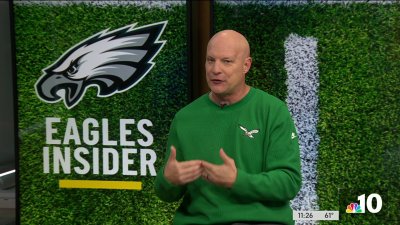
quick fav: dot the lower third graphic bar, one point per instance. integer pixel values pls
(315, 215)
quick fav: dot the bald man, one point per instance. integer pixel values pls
(233, 153)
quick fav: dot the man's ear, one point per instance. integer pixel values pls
(247, 65)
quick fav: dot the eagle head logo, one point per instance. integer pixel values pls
(113, 61)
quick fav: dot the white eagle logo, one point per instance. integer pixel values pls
(113, 61)
(249, 133)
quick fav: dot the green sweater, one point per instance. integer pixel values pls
(268, 162)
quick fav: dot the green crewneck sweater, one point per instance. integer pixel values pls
(268, 162)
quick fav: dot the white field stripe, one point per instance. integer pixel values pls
(302, 99)
(147, 4)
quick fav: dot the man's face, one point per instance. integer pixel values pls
(225, 67)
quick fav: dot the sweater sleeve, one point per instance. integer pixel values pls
(281, 176)
(165, 190)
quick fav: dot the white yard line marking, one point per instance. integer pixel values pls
(302, 99)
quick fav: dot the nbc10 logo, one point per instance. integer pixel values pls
(372, 203)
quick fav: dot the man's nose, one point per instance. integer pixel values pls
(216, 68)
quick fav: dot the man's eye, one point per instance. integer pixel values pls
(227, 61)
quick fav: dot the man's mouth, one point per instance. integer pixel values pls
(216, 81)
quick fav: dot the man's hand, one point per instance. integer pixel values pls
(223, 175)
(180, 173)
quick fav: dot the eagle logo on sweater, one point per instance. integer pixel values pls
(113, 61)
(248, 133)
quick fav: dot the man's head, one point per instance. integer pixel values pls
(227, 62)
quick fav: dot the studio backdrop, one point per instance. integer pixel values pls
(99, 83)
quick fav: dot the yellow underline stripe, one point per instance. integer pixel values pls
(101, 184)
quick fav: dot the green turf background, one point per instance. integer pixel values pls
(359, 101)
(43, 34)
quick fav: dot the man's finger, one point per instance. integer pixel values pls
(208, 166)
(191, 177)
(225, 157)
(191, 170)
(191, 163)
(172, 155)
(205, 176)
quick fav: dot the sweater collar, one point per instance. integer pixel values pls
(235, 105)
